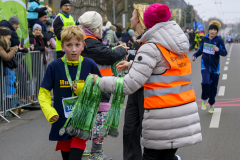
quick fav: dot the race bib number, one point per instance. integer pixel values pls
(68, 104)
(208, 48)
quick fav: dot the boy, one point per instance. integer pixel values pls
(55, 78)
(212, 47)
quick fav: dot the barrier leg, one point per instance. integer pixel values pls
(4, 118)
(15, 114)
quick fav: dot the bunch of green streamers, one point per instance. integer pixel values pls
(112, 120)
(116, 71)
(83, 115)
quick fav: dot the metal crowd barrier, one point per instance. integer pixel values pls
(20, 86)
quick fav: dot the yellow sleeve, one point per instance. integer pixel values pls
(44, 98)
(79, 88)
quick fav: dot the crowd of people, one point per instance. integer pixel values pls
(158, 81)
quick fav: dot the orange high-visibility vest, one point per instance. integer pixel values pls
(105, 70)
(172, 88)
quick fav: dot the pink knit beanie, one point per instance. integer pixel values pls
(156, 13)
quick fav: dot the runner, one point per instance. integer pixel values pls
(212, 47)
(229, 39)
(60, 76)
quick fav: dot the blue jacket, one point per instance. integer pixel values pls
(9, 80)
(34, 9)
(208, 61)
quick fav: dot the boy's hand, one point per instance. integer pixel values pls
(74, 87)
(54, 118)
(94, 79)
(216, 49)
(194, 58)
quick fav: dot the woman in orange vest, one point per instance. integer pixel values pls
(171, 118)
(91, 23)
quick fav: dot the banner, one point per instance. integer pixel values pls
(200, 26)
(9, 8)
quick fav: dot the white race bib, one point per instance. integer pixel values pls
(208, 48)
(68, 104)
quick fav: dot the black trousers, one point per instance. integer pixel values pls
(152, 154)
(60, 54)
(133, 126)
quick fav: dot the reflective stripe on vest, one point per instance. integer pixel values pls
(172, 88)
(105, 70)
(66, 22)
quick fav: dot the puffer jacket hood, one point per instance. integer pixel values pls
(168, 35)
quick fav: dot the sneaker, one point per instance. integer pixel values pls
(98, 156)
(86, 152)
(177, 157)
(204, 105)
(211, 109)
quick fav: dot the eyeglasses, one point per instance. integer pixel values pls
(67, 5)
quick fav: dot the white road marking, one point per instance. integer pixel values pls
(229, 55)
(221, 91)
(225, 68)
(224, 77)
(227, 63)
(228, 59)
(216, 118)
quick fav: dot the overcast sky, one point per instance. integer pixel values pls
(209, 9)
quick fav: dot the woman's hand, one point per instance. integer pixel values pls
(46, 49)
(15, 48)
(122, 65)
(74, 87)
(32, 47)
(20, 47)
(54, 118)
(94, 79)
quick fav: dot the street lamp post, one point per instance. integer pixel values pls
(114, 12)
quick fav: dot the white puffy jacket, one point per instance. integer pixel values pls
(166, 128)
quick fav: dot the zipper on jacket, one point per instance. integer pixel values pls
(171, 145)
(210, 60)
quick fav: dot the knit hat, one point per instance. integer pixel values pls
(214, 25)
(36, 26)
(90, 20)
(41, 14)
(13, 20)
(108, 24)
(63, 2)
(131, 32)
(156, 13)
(5, 31)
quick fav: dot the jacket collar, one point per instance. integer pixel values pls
(72, 63)
(66, 15)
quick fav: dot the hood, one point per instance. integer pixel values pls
(168, 35)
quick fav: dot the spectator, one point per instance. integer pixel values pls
(33, 12)
(110, 37)
(126, 36)
(107, 26)
(130, 42)
(186, 33)
(6, 52)
(36, 38)
(50, 19)
(119, 29)
(63, 19)
(42, 17)
(13, 24)
(191, 39)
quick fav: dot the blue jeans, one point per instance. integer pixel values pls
(209, 85)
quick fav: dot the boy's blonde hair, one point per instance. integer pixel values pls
(70, 31)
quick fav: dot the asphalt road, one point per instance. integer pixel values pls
(27, 139)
